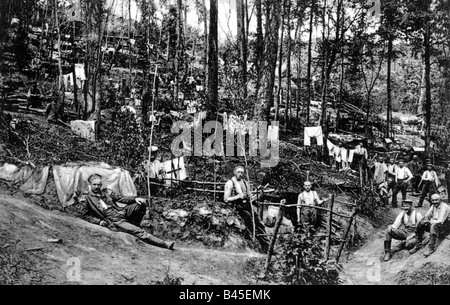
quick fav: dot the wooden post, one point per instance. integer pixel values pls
(360, 175)
(74, 75)
(345, 236)
(274, 237)
(3, 95)
(151, 137)
(297, 269)
(330, 227)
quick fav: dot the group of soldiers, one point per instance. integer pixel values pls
(398, 176)
(409, 227)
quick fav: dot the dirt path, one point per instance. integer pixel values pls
(366, 266)
(107, 257)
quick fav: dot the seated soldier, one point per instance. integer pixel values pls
(100, 208)
(402, 229)
(436, 221)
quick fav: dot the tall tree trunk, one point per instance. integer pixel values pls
(288, 68)
(206, 51)
(308, 73)
(177, 51)
(60, 76)
(342, 73)
(324, 77)
(213, 78)
(242, 45)
(423, 90)
(74, 75)
(388, 87)
(61, 89)
(130, 53)
(427, 56)
(265, 94)
(299, 71)
(259, 49)
(280, 66)
(341, 85)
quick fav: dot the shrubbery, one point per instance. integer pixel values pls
(301, 261)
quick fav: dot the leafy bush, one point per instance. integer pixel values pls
(369, 204)
(125, 141)
(16, 268)
(302, 261)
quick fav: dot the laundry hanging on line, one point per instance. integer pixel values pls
(331, 148)
(313, 132)
(350, 155)
(344, 154)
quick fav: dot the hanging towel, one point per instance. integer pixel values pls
(344, 154)
(66, 80)
(315, 132)
(350, 156)
(337, 154)
(225, 121)
(330, 147)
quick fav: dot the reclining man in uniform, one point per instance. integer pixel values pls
(237, 191)
(436, 221)
(402, 229)
(100, 208)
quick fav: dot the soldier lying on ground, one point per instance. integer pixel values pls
(100, 207)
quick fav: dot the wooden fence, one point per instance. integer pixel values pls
(219, 188)
(329, 236)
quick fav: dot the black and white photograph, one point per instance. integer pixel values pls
(233, 144)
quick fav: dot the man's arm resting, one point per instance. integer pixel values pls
(123, 199)
(443, 215)
(87, 215)
(227, 194)
(397, 221)
(428, 215)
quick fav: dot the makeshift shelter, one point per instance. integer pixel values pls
(33, 180)
(70, 179)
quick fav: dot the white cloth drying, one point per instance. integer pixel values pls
(313, 132)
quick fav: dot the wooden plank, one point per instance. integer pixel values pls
(306, 206)
(345, 236)
(330, 228)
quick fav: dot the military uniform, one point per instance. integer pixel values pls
(103, 206)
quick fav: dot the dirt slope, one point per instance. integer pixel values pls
(366, 266)
(108, 257)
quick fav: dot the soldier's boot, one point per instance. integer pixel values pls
(431, 245)
(152, 240)
(387, 250)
